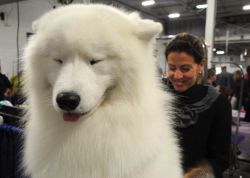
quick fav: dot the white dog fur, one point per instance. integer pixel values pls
(127, 132)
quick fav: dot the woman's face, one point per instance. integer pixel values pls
(182, 70)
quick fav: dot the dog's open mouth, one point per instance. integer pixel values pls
(72, 117)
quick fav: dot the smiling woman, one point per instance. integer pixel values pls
(182, 70)
(203, 117)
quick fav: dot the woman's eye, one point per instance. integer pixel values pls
(60, 61)
(92, 62)
(185, 69)
(172, 68)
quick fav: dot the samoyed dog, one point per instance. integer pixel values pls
(96, 107)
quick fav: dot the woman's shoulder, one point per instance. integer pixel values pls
(222, 101)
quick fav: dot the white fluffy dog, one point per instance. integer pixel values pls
(96, 108)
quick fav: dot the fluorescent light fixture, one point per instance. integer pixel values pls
(220, 52)
(174, 15)
(171, 36)
(148, 3)
(201, 6)
(246, 7)
(245, 52)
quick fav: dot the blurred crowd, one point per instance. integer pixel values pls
(11, 89)
(232, 85)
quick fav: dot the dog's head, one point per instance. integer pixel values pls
(81, 53)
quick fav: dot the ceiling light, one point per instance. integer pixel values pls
(246, 7)
(245, 52)
(220, 52)
(214, 49)
(201, 6)
(148, 3)
(174, 15)
(171, 36)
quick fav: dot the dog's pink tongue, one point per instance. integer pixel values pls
(71, 117)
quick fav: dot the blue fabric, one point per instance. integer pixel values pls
(11, 141)
(237, 139)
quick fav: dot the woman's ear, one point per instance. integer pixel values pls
(202, 65)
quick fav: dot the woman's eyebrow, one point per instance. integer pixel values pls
(171, 64)
(186, 65)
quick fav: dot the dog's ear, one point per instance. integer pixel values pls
(145, 29)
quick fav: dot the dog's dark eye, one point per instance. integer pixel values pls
(92, 62)
(58, 61)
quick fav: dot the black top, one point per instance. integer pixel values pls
(204, 127)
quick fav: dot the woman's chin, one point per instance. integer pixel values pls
(179, 88)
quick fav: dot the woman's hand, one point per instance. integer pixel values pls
(198, 172)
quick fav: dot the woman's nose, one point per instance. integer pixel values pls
(178, 74)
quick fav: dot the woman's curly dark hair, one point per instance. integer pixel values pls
(190, 44)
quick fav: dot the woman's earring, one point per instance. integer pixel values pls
(199, 78)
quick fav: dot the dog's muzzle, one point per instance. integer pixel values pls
(68, 101)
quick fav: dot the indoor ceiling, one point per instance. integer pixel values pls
(229, 16)
(226, 9)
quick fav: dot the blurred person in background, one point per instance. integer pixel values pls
(246, 76)
(236, 88)
(246, 94)
(225, 80)
(5, 86)
(211, 79)
(17, 87)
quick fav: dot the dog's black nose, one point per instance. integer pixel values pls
(68, 100)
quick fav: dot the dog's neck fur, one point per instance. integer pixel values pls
(96, 143)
